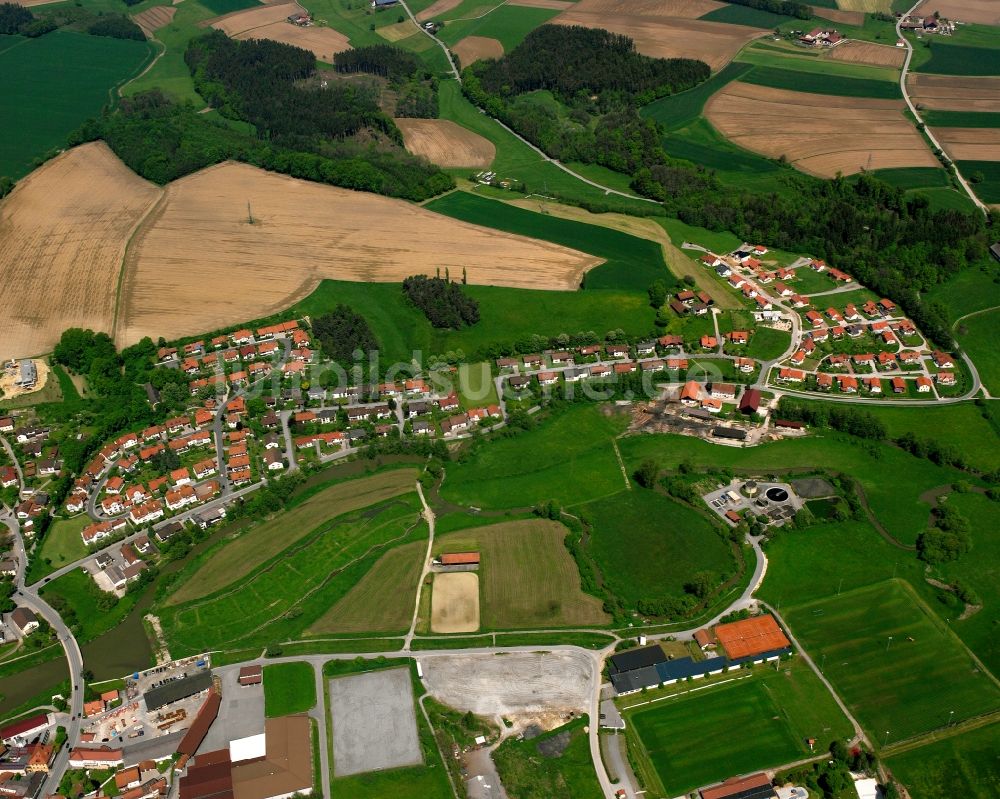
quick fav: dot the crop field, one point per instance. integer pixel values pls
(954, 58)
(288, 688)
(897, 505)
(984, 12)
(382, 601)
(664, 30)
(899, 668)
(988, 189)
(963, 765)
(687, 740)
(270, 22)
(234, 561)
(970, 144)
(297, 585)
(70, 75)
(63, 232)
(527, 577)
(627, 262)
(674, 541)
(508, 24)
(915, 177)
(824, 78)
(474, 48)
(877, 55)
(570, 459)
(744, 15)
(445, 143)
(821, 134)
(302, 232)
(152, 19)
(678, 110)
(949, 93)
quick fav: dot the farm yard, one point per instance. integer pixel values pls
(881, 647)
(527, 577)
(665, 30)
(302, 232)
(445, 143)
(686, 739)
(68, 73)
(862, 134)
(63, 231)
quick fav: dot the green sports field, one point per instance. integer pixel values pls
(965, 765)
(738, 725)
(288, 688)
(52, 84)
(899, 668)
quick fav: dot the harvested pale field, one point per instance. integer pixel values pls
(866, 6)
(398, 31)
(682, 9)
(948, 93)
(658, 32)
(970, 144)
(455, 602)
(557, 5)
(270, 22)
(445, 143)
(878, 55)
(437, 9)
(152, 19)
(843, 17)
(985, 12)
(820, 134)
(63, 232)
(238, 22)
(474, 48)
(197, 264)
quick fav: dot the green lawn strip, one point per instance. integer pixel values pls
(961, 119)
(795, 60)
(980, 337)
(675, 541)
(822, 81)
(506, 316)
(228, 6)
(767, 343)
(62, 544)
(988, 187)
(69, 74)
(949, 199)
(280, 600)
(527, 772)
(507, 24)
(688, 740)
(79, 592)
(679, 110)
(288, 688)
(916, 177)
(886, 682)
(631, 263)
(66, 385)
(333, 646)
(475, 385)
(569, 458)
(897, 504)
(963, 765)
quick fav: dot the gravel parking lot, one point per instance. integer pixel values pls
(374, 722)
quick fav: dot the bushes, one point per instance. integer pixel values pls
(444, 303)
(341, 332)
(947, 540)
(116, 27)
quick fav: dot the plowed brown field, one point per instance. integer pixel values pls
(949, 93)
(664, 30)
(878, 55)
(557, 5)
(63, 232)
(472, 48)
(970, 144)
(985, 12)
(269, 22)
(837, 15)
(437, 9)
(152, 19)
(197, 264)
(819, 133)
(445, 143)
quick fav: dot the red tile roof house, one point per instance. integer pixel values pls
(745, 365)
(924, 384)
(886, 359)
(547, 378)
(710, 259)
(848, 383)
(798, 357)
(886, 307)
(677, 363)
(709, 342)
(791, 376)
(738, 336)
(873, 384)
(600, 370)
(726, 391)
(820, 335)
(834, 314)
(798, 301)
(114, 485)
(112, 505)
(617, 350)
(691, 393)
(864, 359)
(909, 356)
(625, 368)
(942, 360)
(824, 381)
(815, 318)
(946, 378)
(898, 385)
(84, 758)
(147, 512)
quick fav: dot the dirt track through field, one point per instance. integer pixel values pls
(446, 143)
(473, 48)
(455, 603)
(820, 134)
(985, 12)
(878, 55)
(948, 93)
(152, 19)
(63, 232)
(270, 22)
(197, 264)
(970, 144)
(660, 32)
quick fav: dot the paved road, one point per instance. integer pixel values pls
(913, 109)
(286, 432)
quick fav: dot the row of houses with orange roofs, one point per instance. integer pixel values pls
(238, 338)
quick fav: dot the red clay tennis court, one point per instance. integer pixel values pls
(751, 637)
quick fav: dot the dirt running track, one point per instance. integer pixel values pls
(445, 143)
(820, 134)
(970, 144)
(473, 48)
(662, 32)
(985, 12)
(197, 264)
(63, 232)
(948, 93)
(878, 55)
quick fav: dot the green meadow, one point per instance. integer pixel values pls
(987, 187)
(963, 765)
(979, 336)
(288, 688)
(507, 24)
